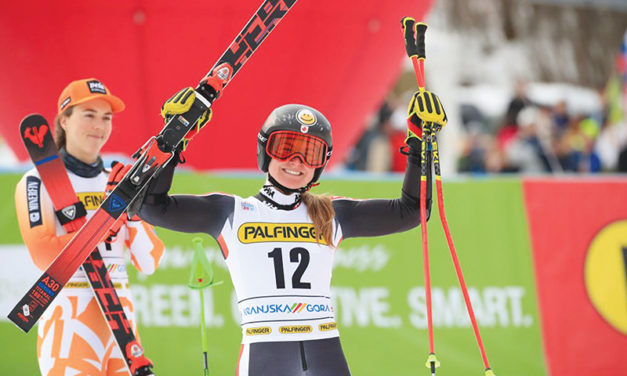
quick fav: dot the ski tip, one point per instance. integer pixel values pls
(33, 119)
(36, 133)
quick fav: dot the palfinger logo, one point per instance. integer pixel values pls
(256, 232)
(328, 326)
(258, 331)
(605, 274)
(295, 329)
(91, 200)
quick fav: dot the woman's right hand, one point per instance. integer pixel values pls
(180, 103)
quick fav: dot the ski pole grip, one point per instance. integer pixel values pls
(421, 29)
(407, 23)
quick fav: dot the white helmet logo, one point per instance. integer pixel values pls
(306, 117)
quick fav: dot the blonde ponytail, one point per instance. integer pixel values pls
(320, 210)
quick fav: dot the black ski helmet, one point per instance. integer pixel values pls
(297, 118)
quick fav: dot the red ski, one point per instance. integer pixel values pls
(152, 157)
(71, 213)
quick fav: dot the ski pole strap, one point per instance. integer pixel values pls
(71, 213)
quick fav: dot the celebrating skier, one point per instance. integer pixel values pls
(279, 244)
(73, 335)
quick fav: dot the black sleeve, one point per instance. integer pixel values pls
(184, 213)
(377, 217)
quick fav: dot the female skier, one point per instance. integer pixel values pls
(73, 336)
(279, 244)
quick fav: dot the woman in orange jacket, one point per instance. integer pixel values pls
(73, 336)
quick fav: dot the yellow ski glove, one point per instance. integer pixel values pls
(424, 106)
(180, 103)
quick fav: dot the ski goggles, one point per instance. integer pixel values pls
(284, 145)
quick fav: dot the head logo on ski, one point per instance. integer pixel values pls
(36, 135)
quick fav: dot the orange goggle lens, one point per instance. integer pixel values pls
(284, 145)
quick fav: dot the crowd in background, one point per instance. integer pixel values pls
(528, 138)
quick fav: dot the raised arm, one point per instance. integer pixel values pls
(184, 213)
(377, 217)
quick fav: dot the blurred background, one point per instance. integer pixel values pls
(533, 87)
(533, 162)
(529, 86)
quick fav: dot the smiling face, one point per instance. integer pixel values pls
(292, 173)
(87, 129)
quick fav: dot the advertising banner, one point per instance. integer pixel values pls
(377, 287)
(579, 238)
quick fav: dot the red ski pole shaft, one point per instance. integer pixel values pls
(451, 246)
(414, 34)
(423, 228)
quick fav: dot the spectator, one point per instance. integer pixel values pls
(524, 151)
(560, 117)
(533, 138)
(516, 104)
(622, 160)
(372, 151)
(577, 146)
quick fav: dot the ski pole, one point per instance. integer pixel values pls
(200, 278)
(451, 246)
(417, 54)
(432, 361)
(414, 44)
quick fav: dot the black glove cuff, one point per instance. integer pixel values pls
(412, 148)
(135, 207)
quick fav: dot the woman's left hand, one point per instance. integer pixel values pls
(424, 106)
